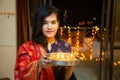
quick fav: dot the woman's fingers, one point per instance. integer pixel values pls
(44, 62)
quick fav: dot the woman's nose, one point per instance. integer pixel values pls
(49, 26)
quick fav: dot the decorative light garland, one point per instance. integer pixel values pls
(95, 30)
(82, 55)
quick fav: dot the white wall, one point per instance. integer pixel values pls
(7, 38)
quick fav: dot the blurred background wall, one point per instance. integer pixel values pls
(7, 38)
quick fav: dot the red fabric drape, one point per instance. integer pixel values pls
(27, 68)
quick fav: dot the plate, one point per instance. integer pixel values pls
(63, 59)
(65, 63)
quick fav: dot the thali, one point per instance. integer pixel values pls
(63, 59)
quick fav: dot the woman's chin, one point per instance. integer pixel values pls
(50, 36)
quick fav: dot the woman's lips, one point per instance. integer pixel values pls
(49, 31)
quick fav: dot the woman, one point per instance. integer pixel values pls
(30, 62)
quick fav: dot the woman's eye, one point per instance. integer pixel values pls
(53, 22)
(44, 22)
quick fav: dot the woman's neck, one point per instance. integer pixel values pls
(51, 40)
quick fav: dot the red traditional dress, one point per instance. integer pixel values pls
(27, 67)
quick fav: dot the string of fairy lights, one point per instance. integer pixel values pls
(94, 32)
(82, 56)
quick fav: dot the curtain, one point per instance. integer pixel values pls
(23, 20)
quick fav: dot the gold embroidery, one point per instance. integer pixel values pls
(38, 55)
(66, 44)
(56, 42)
(16, 79)
(21, 64)
(30, 53)
(59, 50)
(31, 47)
(24, 45)
(23, 52)
(16, 72)
(43, 52)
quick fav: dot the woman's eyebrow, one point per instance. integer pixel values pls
(50, 20)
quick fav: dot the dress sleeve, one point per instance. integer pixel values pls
(25, 68)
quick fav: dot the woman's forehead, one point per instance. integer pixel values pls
(51, 17)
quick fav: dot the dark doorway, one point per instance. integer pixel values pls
(80, 10)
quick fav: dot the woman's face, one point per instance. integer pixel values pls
(50, 26)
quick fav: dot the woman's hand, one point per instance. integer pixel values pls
(44, 62)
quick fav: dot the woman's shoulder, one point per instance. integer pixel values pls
(27, 43)
(64, 43)
(29, 46)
